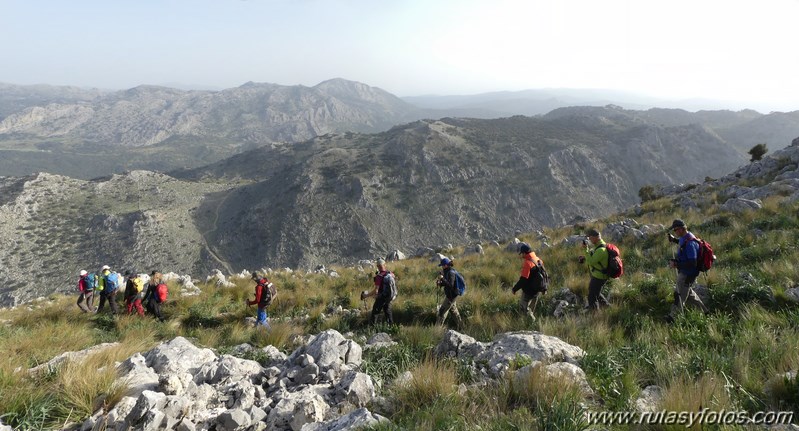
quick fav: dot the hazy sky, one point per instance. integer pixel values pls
(726, 49)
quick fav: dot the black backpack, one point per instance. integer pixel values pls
(539, 279)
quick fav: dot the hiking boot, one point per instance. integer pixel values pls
(669, 319)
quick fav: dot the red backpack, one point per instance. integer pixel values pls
(161, 292)
(615, 267)
(705, 258)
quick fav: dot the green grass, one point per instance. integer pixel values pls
(733, 358)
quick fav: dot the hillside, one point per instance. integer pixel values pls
(322, 367)
(340, 198)
(159, 128)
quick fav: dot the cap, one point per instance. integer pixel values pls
(445, 261)
(127, 273)
(524, 248)
(677, 223)
(592, 232)
(83, 272)
(106, 267)
(381, 261)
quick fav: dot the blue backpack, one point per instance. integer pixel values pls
(111, 282)
(460, 283)
(91, 281)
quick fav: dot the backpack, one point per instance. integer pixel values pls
(161, 292)
(539, 278)
(267, 295)
(388, 285)
(138, 284)
(460, 283)
(615, 267)
(111, 282)
(91, 281)
(705, 257)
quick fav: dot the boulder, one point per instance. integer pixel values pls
(233, 420)
(649, 399)
(455, 344)
(78, 356)
(135, 373)
(395, 256)
(178, 355)
(509, 346)
(356, 419)
(356, 388)
(228, 368)
(329, 348)
(792, 294)
(739, 205)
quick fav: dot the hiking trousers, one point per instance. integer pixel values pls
(595, 296)
(449, 305)
(154, 307)
(87, 296)
(382, 304)
(261, 318)
(134, 303)
(686, 296)
(524, 304)
(112, 301)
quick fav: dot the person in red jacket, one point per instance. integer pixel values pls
(264, 294)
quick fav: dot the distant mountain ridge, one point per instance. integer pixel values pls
(62, 130)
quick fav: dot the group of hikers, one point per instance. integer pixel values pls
(601, 259)
(107, 283)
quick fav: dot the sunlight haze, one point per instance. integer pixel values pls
(737, 51)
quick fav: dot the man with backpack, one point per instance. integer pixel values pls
(134, 292)
(686, 262)
(596, 257)
(265, 292)
(532, 280)
(86, 288)
(448, 280)
(385, 291)
(110, 287)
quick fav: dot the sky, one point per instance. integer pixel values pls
(732, 50)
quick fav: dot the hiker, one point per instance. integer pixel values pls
(685, 262)
(385, 291)
(110, 286)
(529, 285)
(86, 288)
(133, 292)
(264, 294)
(448, 281)
(151, 299)
(596, 258)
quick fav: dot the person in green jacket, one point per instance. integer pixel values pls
(596, 258)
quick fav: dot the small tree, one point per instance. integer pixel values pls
(757, 152)
(647, 193)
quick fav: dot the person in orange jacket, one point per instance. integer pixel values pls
(529, 282)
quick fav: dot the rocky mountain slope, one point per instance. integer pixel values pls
(339, 198)
(160, 128)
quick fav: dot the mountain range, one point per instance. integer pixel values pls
(88, 133)
(265, 175)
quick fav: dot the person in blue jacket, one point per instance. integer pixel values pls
(685, 262)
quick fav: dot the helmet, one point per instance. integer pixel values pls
(445, 261)
(83, 272)
(524, 248)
